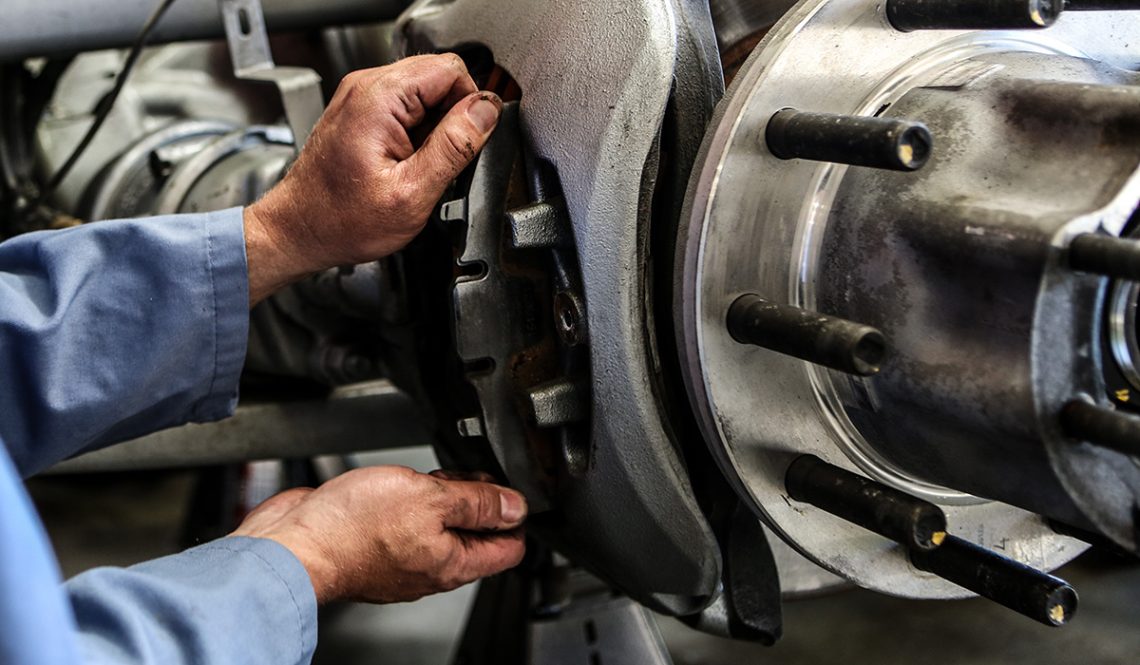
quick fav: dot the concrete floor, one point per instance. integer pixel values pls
(119, 520)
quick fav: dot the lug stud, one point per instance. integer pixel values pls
(896, 515)
(1103, 427)
(825, 340)
(883, 143)
(907, 15)
(1019, 587)
(1105, 255)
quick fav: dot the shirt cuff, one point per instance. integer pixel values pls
(224, 235)
(292, 595)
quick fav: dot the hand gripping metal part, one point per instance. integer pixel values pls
(631, 515)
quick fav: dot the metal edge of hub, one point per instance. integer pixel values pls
(658, 546)
(1081, 468)
(804, 42)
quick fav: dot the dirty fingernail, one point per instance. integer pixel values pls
(484, 113)
(513, 506)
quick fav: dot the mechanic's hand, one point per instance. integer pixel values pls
(389, 534)
(360, 189)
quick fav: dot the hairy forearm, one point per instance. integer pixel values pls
(269, 261)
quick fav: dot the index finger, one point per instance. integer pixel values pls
(433, 80)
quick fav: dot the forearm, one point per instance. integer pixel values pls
(235, 600)
(271, 261)
(115, 329)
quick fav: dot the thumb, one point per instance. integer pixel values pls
(455, 141)
(478, 506)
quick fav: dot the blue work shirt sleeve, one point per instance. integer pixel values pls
(235, 600)
(112, 330)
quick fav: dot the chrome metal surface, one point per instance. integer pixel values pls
(757, 409)
(49, 27)
(357, 418)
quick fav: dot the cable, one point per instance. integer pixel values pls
(104, 108)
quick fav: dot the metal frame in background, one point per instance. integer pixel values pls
(53, 27)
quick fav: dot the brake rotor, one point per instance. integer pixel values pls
(802, 232)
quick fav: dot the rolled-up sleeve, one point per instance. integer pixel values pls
(235, 600)
(116, 329)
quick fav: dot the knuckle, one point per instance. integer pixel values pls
(409, 199)
(406, 196)
(398, 477)
(457, 148)
(489, 505)
(348, 83)
(453, 60)
(460, 506)
(401, 472)
(440, 554)
(516, 553)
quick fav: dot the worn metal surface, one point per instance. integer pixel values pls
(756, 227)
(300, 87)
(601, 630)
(358, 418)
(749, 606)
(737, 20)
(190, 136)
(498, 319)
(131, 184)
(594, 114)
(171, 89)
(48, 27)
(233, 170)
(974, 397)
